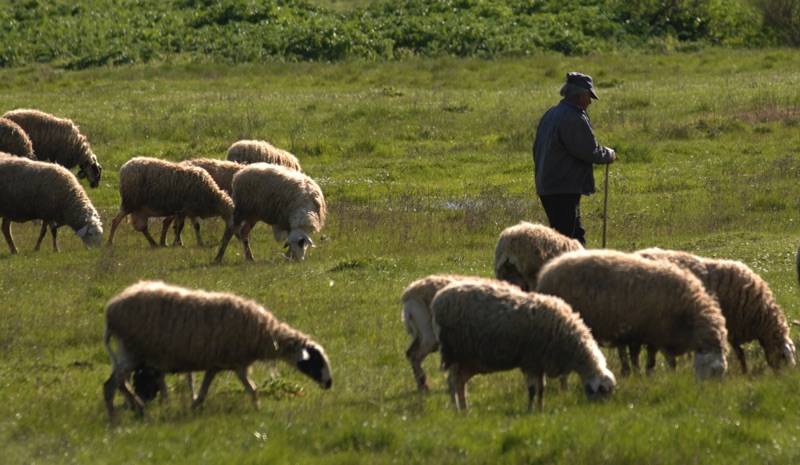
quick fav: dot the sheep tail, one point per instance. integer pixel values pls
(107, 344)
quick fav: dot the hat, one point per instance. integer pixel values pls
(584, 81)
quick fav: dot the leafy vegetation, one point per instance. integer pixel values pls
(78, 35)
(423, 162)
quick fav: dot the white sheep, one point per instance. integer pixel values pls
(750, 310)
(58, 140)
(626, 300)
(151, 187)
(524, 248)
(418, 320)
(288, 200)
(221, 171)
(178, 330)
(485, 327)
(260, 151)
(14, 140)
(35, 190)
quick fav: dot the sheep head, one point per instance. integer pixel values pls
(92, 170)
(711, 364)
(297, 243)
(780, 354)
(600, 385)
(92, 232)
(312, 362)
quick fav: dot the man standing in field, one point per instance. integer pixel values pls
(563, 153)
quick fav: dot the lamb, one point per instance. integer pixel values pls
(484, 327)
(178, 330)
(418, 320)
(222, 172)
(58, 140)
(287, 199)
(627, 300)
(522, 249)
(152, 187)
(35, 190)
(746, 301)
(257, 151)
(14, 140)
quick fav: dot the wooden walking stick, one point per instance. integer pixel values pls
(605, 207)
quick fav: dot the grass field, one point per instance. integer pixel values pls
(423, 162)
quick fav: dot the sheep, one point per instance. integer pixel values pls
(221, 172)
(627, 300)
(58, 140)
(418, 320)
(485, 327)
(746, 301)
(152, 187)
(14, 140)
(35, 190)
(178, 330)
(256, 151)
(287, 199)
(522, 249)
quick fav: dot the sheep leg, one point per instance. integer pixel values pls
(140, 224)
(535, 384)
(201, 396)
(54, 233)
(190, 383)
(651, 359)
(164, 229)
(114, 223)
(740, 355)
(622, 353)
(671, 361)
(42, 233)
(457, 380)
(248, 384)
(244, 234)
(118, 380)
(635, 350)
(196, 226)
(416, 365)
(7, 234)
(563, 382)
(226, 237)
(179, 223)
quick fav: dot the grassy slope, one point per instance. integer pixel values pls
(423, 163)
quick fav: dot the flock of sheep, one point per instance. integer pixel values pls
(549, 308)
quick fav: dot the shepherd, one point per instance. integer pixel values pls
(563, 153)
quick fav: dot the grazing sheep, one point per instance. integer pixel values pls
(628, 300)
(484, 327)
(178, 330)
(151, 187)
(257, 151)
(222, 172)
(60, 141)
(35, 190)
(524, 248)
(418, 320)
(288, 200)
(746, 301)
(14, 140)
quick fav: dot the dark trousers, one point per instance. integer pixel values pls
(564, 213)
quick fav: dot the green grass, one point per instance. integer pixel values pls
(423, 163)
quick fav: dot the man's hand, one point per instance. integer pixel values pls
(611, 154)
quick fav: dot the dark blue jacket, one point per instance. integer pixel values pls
(564, 150)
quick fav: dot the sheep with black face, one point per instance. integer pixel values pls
(177, 330)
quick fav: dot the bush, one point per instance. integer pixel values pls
(783, 18)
